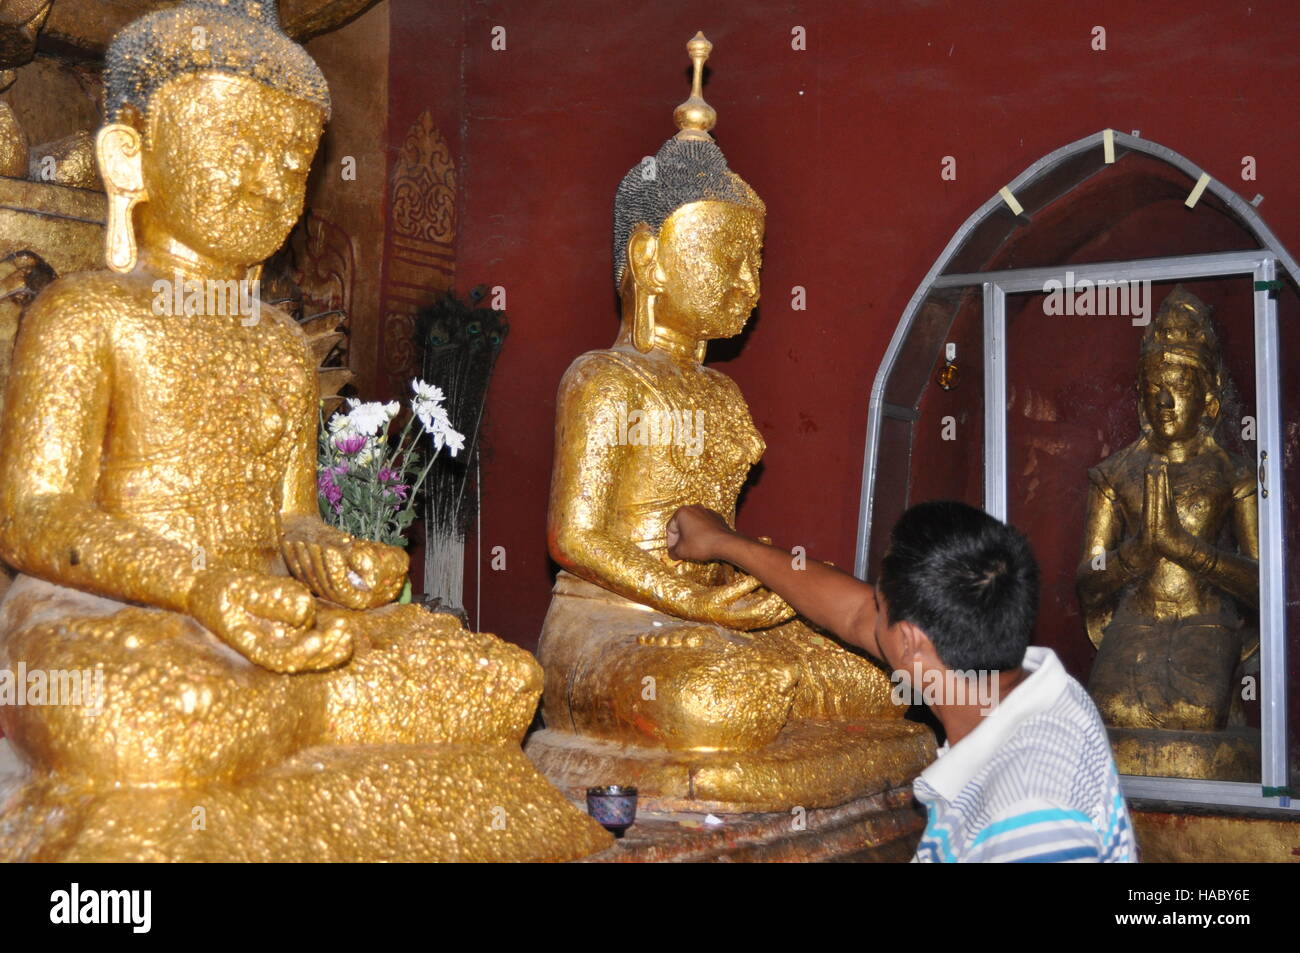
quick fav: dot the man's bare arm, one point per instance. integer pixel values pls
(826, 596)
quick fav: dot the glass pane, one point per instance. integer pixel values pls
(981, 249)
(1174, 625)
(946, 438)
(921, 355)
(893, 469)
(931, 438)
(1133, 208)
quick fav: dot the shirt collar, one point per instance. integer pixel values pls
(961, 762)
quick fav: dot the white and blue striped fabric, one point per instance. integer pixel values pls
(1035, 782)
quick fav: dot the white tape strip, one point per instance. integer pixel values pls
(1108, 144)
(1195, 197)
(1011, 201)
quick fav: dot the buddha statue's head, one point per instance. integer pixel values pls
(688, 233)
(1181, 378)
(214, 115)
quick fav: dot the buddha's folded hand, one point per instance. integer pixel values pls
(356, 573)
(741, 604)
(270, 620)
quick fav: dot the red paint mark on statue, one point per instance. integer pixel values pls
(646, 726)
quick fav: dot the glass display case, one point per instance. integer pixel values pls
(1014, 372)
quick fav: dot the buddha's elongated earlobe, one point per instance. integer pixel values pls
(641, 247)
(643, 321)
(117, 148)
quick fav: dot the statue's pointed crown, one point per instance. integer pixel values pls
(689, 167)
(1183, 331)
(240, 37)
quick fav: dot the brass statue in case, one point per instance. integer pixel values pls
(1171, 551)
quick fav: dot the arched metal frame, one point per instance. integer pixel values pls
(1263, 265)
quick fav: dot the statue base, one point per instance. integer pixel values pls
(812, 764)
(1169, 833)
(882, 828)
(1229, 755)
(372, 803)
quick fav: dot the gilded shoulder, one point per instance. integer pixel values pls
(600, 371)
(721, 380)
(87, 291)
(1236, 471)
(1108, 475)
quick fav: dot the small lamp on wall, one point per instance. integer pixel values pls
(947, 375)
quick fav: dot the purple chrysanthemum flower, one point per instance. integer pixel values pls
(350, 445)
(332, 492)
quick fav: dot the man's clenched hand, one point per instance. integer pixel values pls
(698, 534)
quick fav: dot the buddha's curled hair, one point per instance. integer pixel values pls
(240, 37)
(683, 171)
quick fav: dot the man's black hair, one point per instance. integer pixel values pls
(967, 581)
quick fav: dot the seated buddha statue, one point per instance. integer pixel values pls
(1171, 558)
(680, 676)
(257, 696)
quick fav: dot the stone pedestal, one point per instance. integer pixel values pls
(883, 828)
(1178, 833)
(812, 764)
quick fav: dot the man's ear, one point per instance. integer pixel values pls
(642, 259)
(916, 644)
(118, 151)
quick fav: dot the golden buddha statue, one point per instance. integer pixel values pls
(688, 680)
(1171, 555)
(257, 697)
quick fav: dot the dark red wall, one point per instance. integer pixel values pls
(844, 142)
(425, 61)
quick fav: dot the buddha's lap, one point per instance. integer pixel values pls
(611, 644)
(162, 700)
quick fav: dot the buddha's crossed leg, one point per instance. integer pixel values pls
(834, 683)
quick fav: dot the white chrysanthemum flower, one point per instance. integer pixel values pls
(427, 392)
(366, 455)
(443, 433)
(433, 417)
(340, 425)
(455, 441)
(427, 406)
(371, 418)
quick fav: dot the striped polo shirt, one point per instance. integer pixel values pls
(1034, 782)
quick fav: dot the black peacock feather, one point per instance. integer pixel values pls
(461, 343)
